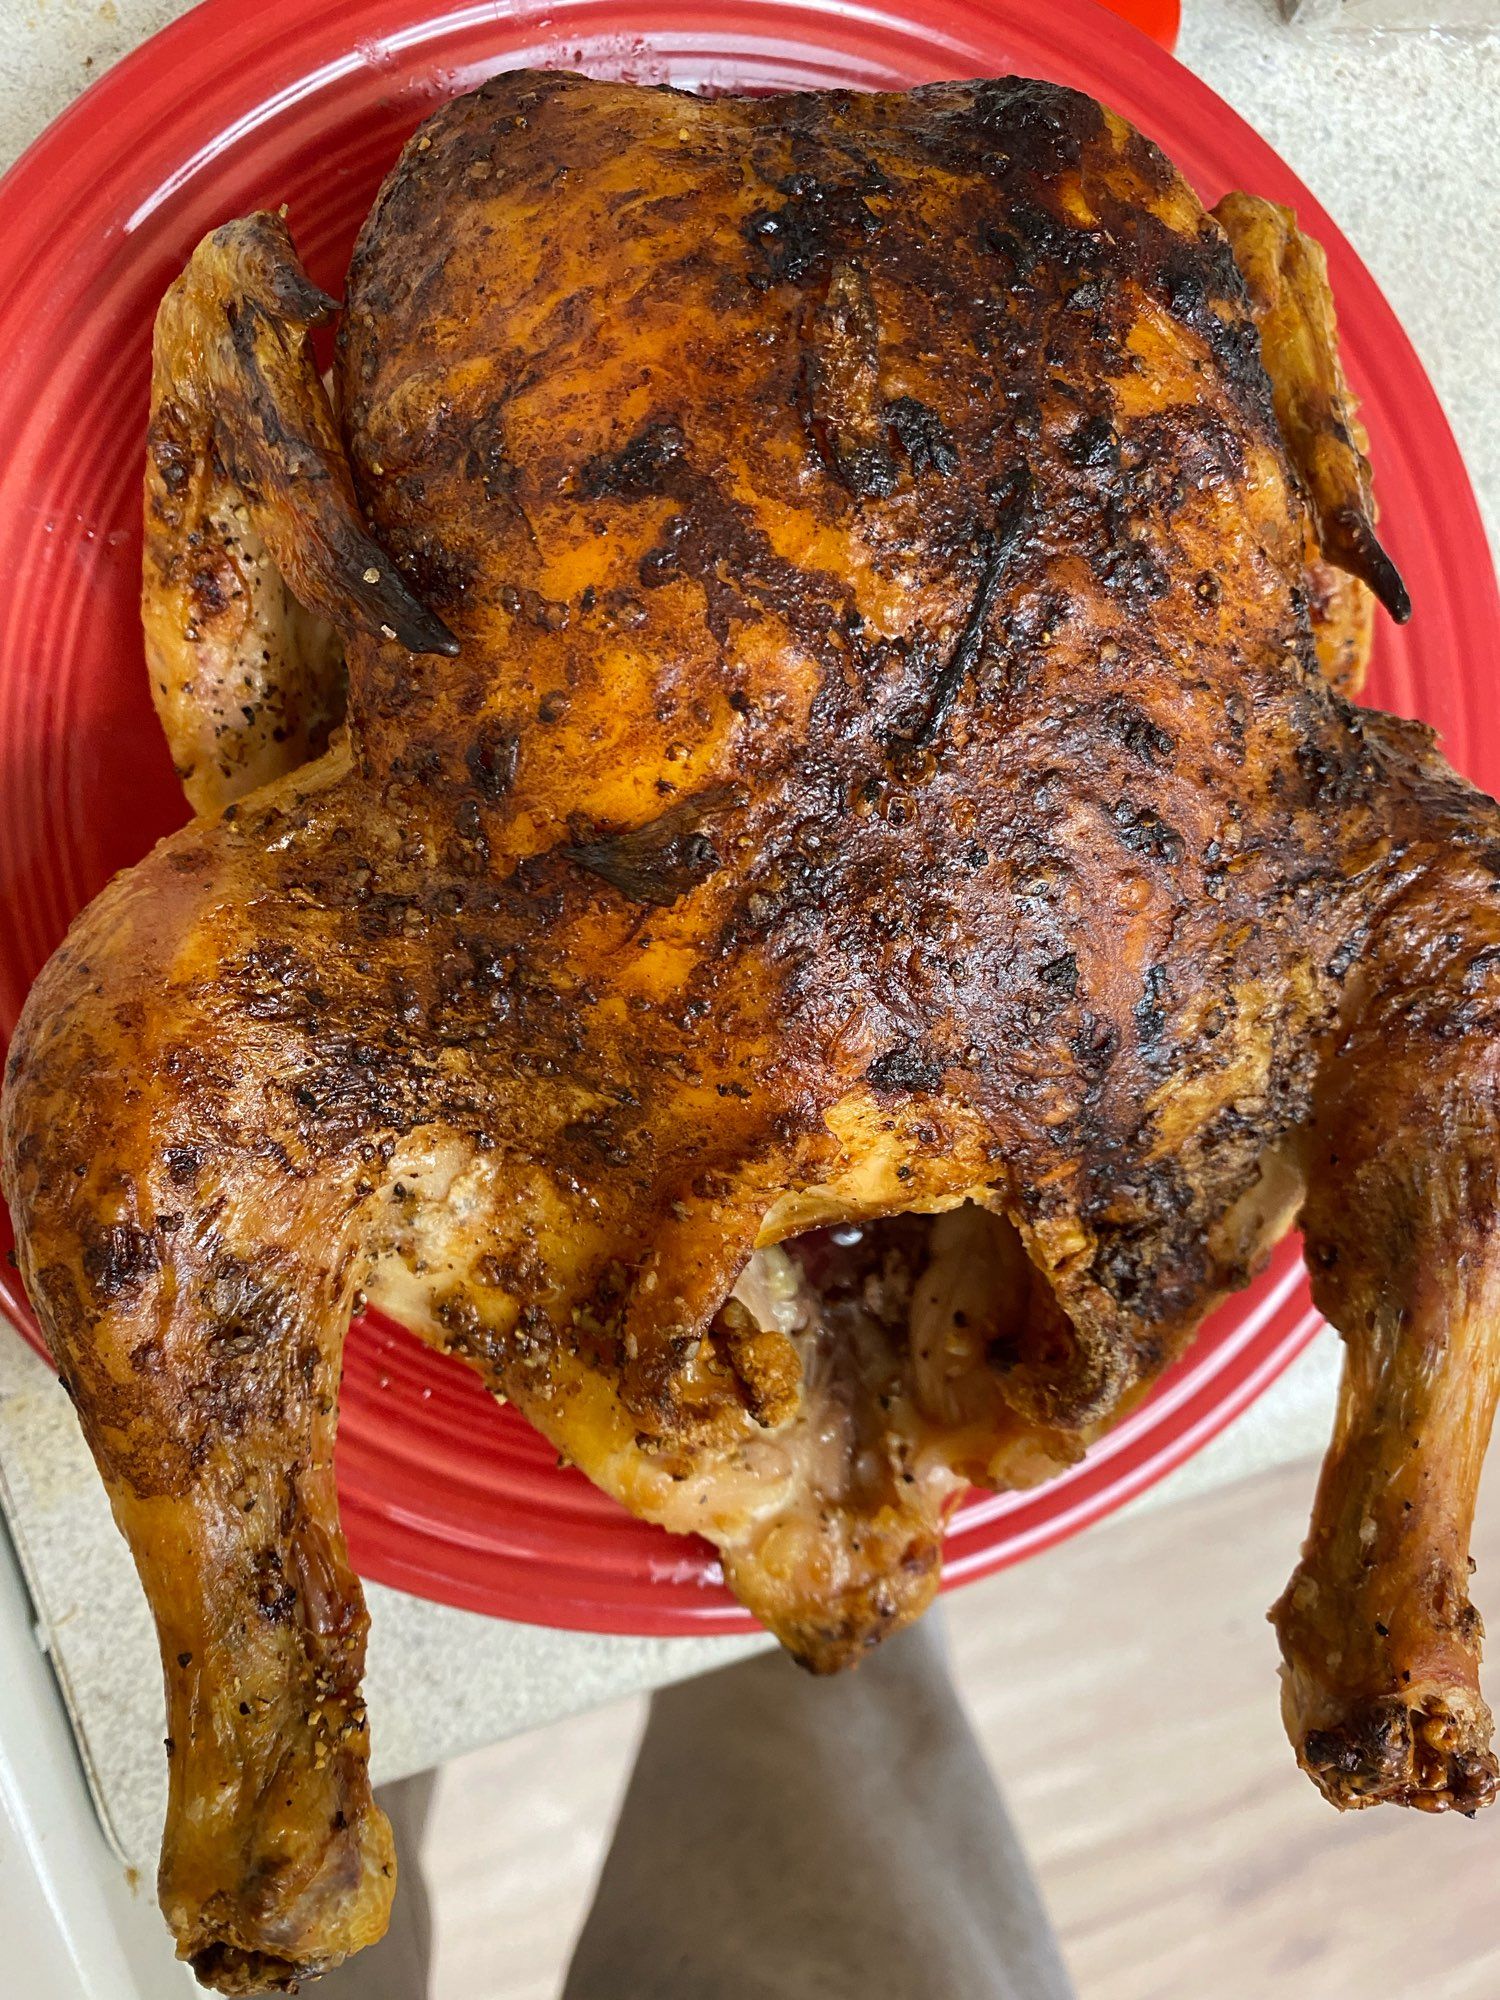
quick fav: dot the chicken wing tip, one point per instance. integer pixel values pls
(1358, 548)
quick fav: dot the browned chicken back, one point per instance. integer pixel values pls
(851, 905)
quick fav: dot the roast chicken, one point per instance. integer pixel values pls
(786, 864)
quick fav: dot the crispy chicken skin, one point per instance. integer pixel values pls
(885, 800)
(254, 542)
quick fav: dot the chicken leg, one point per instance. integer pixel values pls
(1402, 1230)
(194, 1274)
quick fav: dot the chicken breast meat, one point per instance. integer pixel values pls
(846, 903)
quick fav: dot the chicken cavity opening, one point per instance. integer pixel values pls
(879, 1352)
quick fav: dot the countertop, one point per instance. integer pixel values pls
(1395, 133)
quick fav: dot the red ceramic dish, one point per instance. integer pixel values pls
(307, 102)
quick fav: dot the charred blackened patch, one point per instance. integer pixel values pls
(717, 543)
(923, 436)
(1060, 973)
(492, 759)
(1146, 832)
(211, 587)
(277, 983)
(1132, 727)
(1037, 128)
(1119, 1267)
(818, 220)
(275, 1598)
(1201, 286)
(1479, 972)
(599, 1136)
(713, 540)
(908, 1069)
(1335, 767)
(1031, 138)
(1208, 452)
(436, 570)
(171, 447)
(480, 984)
(119, 1258)
(652, 462)
(1151, 1008)
(348, 1086)
(664, 860)
(1125, 560)
(995, 546)
(1016, 254)
(1030, 236)
(1094, 444)
(183, 1163)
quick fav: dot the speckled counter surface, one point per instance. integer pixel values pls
(1396, 134)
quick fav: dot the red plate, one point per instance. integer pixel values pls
(238, 107)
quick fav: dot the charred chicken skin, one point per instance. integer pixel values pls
(847, 902)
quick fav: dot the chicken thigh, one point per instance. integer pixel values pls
(846, 904)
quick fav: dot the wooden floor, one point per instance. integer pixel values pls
(1125, 1689)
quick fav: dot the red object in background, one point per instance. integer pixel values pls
(1160, 19)
(307, 102)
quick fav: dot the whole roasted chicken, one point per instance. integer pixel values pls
(786, 865)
